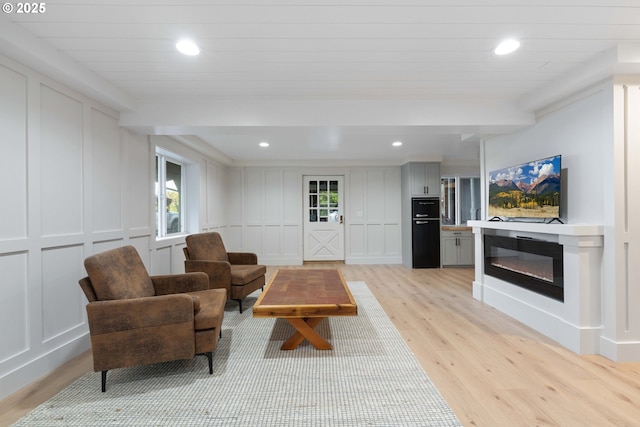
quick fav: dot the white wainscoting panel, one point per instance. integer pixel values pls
(142, 245)
(272, 246)
(215, 195)
(232, 238)
(105, 245)
(252, 239)
(373, 219)
(375, 239)
(13, 166)
(273, 196)
(62, 303)
(375, 196)
(162, 260)
(392, 200)
(355, 197)
(233, 199)
(254, 196)
(177, 258)
(140, 187)
(61, 166)
(107, 171)
(393, 240)
(14, 305)
(292, 198)
(357, 240)
(292, 241)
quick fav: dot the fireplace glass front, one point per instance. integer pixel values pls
(532, 264)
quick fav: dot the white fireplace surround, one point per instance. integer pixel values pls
(575, 324)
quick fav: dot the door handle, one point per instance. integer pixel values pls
(341, 219)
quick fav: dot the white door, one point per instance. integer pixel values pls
(323, 218)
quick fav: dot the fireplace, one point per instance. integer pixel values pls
(533, 264)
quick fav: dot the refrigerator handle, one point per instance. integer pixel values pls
(422, 222)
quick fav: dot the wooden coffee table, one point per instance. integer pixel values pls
(304, 297)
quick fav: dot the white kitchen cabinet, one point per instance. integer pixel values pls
(457, 247)
(425, 179)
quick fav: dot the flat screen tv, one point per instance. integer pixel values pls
(527, 191)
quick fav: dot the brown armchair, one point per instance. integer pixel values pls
(238, 272)
(137, 319)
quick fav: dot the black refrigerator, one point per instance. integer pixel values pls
(425, 232)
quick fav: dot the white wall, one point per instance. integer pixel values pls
(579, 133)
(598, 136)
(74, 183)
(264, 211)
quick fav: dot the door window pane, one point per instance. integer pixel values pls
(323, 201)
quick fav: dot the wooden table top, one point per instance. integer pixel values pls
(306, 293)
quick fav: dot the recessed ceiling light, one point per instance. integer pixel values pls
(264, 144)
(397, 143)
(188, 47)
(506, 46)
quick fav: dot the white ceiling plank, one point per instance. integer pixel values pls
(372, 52)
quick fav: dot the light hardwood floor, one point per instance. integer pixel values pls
(492, 370)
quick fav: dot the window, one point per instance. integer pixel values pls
(169, 195)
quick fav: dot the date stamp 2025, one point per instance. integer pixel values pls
(21, 8)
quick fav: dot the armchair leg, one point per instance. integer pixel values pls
(239, 304)
(209, 355)
(104, 381)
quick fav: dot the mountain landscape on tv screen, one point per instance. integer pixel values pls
(530, 190)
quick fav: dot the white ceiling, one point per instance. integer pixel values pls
(328, 81)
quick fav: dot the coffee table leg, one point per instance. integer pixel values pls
(304, 329)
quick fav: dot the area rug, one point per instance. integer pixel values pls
(370, 378)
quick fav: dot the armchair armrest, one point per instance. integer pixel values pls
(179, 283)
(140, 331)
(219, 272)
(242, 258)
(137, 313)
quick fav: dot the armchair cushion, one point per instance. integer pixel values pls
(219, 272)
(122, 315)
(211, 308)
(207, 246)
(246, 258)
(242, 274)
(119, 274)
(179, 283)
